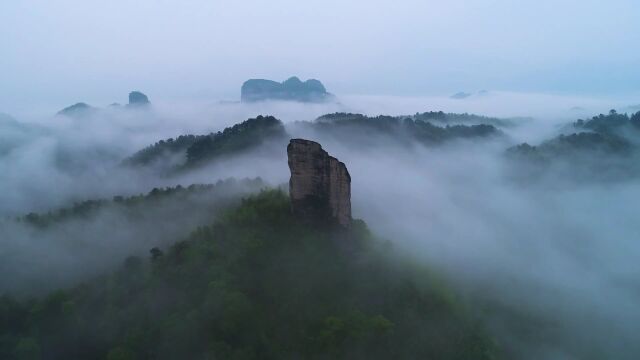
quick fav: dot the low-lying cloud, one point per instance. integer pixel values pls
(553, 268)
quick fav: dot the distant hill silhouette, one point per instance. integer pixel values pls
(77, 109)
(292, 89)
(137, 98)
(460, 95)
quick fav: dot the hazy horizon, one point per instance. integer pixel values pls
(518, 202)
(57, 53)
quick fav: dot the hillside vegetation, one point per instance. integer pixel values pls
(255, 284)
(197, 149)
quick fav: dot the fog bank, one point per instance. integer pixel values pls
(552, 268)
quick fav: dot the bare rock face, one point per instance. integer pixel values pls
(320, 185)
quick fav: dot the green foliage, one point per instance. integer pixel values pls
(608, 123)
(27, 349)
(162, 148)
(585, 155)
(256, 284)
(240, 137)
(200, 148)
(427, 133)
(604, 148)
(605, 151)
(89, 208)
(121, 353)
(635, 120)
(587, 141)
(434, 117)
(400, 128)
(463, 119)
(573, 144)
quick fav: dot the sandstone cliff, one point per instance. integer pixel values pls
(320, 185)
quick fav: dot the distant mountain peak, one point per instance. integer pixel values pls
(293, 80)
(292, 89)
(138, 98)
(76, 109)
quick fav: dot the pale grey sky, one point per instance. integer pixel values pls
(63, 51)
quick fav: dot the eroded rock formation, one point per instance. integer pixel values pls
(320, 185)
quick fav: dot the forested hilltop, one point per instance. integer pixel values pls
(361, 130)
(58, 248)
(254, 284)
(138, 206)
(601, 148)
(437, 118)
(604, 147)
(188, 151)
(197, 149)
(228, 271)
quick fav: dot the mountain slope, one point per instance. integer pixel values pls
(351, 129)
(256, 284)
(198, 149)
(604, 147)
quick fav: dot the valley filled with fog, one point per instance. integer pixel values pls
(546, 255)
(362, 180)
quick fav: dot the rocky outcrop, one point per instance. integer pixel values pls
(136, 98)
(290, 90)
(320, 185)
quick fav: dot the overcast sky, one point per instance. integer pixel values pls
(64, 51)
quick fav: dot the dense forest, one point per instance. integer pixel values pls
(238, 138)
(609, 122)
(601, 145)
(351, 129)
(60, 247)
(162, 148)
(361, 130)
(435, 117)
(605, 147)
(223, 277)
(613, 133)
(200, 148)
(440, 117)
(319, 180)
(254, 284)
(137, 205)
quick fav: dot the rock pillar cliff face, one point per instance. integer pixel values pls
(320, 185)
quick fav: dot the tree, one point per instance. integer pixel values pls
(121, 353)
(27, 349)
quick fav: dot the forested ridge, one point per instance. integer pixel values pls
(254, 284)
(195, 150)
(137, 204)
